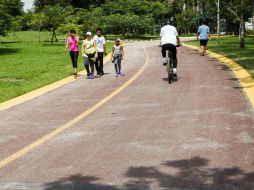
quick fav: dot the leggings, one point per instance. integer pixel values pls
(89, 62)
(99, 63)
(173, 50)
(117, 62)
(74, 58)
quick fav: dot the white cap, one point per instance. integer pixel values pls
(88, 34)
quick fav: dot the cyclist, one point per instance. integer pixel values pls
(169, 41)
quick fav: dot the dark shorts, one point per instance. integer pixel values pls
(203, 42)
(170, 47)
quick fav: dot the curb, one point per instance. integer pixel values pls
(245, 79)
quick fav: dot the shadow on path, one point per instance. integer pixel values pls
(188, 174)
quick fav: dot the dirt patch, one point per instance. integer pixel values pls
(9, 79)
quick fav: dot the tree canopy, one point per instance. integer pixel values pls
(9, 11)
(126, 17)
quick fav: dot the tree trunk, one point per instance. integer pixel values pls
(123, 33)
(53, 36)
(39, 36)
(133, 33)
(242, 28)
(218, 19)
(56, 40)
(253, 15)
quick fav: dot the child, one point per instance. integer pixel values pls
(117, 55)
(88, 52)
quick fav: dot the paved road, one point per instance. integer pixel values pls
(194, 134)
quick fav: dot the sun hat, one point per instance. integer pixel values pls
(88, 34)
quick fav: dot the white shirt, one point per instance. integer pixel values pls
(99, 41)
(168, 35)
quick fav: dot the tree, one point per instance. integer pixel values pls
(128, 24)
(37, 23)
(39, 5)
(53, 19)
(252, 7)
(5, 21)
(238, 12)
(26, 20)
(186, 20)
(234, 12)
(10, 12)
(12, 7)
(86, 4)
(242, 28)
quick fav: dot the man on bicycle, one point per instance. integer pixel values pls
(169, 41)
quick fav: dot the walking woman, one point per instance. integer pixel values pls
(74, 52)
(88, 52)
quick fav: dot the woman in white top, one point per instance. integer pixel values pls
(88, 52)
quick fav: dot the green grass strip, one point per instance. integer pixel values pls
(26, 66)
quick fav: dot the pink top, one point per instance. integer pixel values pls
(73, 44)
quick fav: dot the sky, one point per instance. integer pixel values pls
(28, 4)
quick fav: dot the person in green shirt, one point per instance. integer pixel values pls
(88, 53)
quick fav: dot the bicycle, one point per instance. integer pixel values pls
(169, 68)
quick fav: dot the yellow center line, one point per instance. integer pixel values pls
(71, 123)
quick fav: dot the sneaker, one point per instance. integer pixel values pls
(91, 77)
(116, 75)
(88, 77)
(164, 61)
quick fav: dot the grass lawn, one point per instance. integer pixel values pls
(229, 46)
(29, 36)
(26, 65)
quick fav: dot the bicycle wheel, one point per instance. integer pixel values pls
(170, 71)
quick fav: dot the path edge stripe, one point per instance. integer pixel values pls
(42, 140)
(245, 79)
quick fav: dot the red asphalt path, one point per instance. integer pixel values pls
(197, 133)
